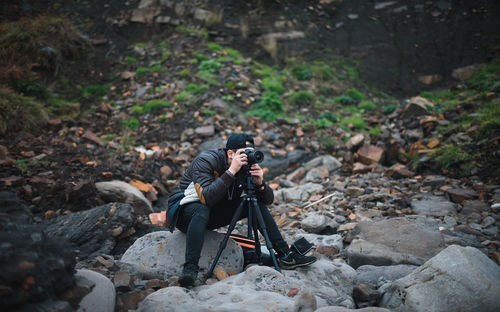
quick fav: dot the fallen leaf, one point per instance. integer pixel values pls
(144, 187)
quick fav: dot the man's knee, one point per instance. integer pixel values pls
(201, 211)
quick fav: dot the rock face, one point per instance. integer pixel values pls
(395, 241)
(95, 231)
(119, 191)
(457, 279)
(39, 268)
(164, 252)
(102, 297)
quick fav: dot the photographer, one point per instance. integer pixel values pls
(208, 195)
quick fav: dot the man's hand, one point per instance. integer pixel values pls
(238, 161)
(257, 173)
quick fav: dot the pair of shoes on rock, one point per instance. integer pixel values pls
(189, 275)
(294, 260)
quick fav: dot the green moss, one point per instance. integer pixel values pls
(343, 99)
(207, 77)
(269, 108)
(207, 112)
(137, 110)
(273, 84)
(450, 155)
(200, 57)
(211, 66)
(130, 60)
(367, 105)
(322, 123)
(18, 112)
(389, 109)
(487, 78)
(302, 98)
(198, 32)
(228, 98)
(301, 72)
(143, 71)
(214, 47)
(185, 72)
(357, 122)
(376, 131)
(183, 96)
(95, 90)
(196, 88)
(355, 95)
(154, 105)
(132, 123)
(234, 53)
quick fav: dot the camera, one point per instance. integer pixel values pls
(254, 157)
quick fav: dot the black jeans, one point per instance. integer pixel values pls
(195, 218)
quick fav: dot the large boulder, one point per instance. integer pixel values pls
(103, 295)
(405, 240)
(34, 267)
(119, 191)
(372, 275)
(95, 231)
(320, 284)
(457, 279)
(163, 252)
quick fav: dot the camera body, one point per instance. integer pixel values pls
(254, 157)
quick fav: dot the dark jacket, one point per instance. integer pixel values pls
(208, 180)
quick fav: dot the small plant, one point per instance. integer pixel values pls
(196, 89)
(95, 90)
(234, 53)
(132, 123)
(332, 117)
(367, 105)
(356, 122)
(214, 47)
(207, 77)
(487, 78)
(183, 96)
(18, 112)
(130, 60)
(154, 105)
(343, 99)
(137, 110)
(273, 84)
(143, 71)
(376, 131)
(355, 95)
(450, 155)
(322, 123)
(389, 109)
(185, 72)
(198, 32)
(228, 97)
(208, 112)
(269, 108)
(127, 140)
(301, 72)
(211, 66)
(302, 98)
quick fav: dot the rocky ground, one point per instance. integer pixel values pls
(383, 214)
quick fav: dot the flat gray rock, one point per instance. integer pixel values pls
(457, 279)
(122, 192)
(408, 240)
(164, 252)
(434, 206)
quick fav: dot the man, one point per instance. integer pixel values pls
(208, 195)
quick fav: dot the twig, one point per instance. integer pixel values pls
(318, 201)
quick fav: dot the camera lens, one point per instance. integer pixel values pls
(254, 156)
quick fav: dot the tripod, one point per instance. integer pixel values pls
(249, 200)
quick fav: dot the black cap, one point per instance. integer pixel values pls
(237, 141)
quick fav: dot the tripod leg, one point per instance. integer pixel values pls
(223, 243)
(263, 229)
(250, 222)
(255, 227)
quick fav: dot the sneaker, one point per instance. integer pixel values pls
(189, 275)
(294, 260)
